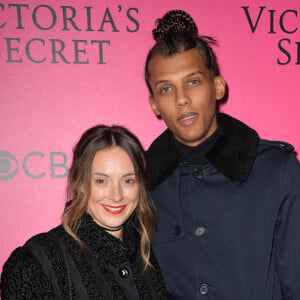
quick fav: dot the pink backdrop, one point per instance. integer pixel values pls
(46, 106)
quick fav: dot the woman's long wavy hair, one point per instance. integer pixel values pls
(79, 179)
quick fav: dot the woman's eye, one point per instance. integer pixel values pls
(100, 181)
(129, 181)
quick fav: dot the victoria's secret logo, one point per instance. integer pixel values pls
(45, 18)
(278, 21)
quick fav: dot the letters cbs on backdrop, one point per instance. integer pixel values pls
(32, 165)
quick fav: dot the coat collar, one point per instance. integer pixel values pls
(108, 250)
(233, 153)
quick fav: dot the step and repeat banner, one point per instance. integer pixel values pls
(68, 65)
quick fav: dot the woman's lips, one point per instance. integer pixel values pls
(187, 119)
(115, 210)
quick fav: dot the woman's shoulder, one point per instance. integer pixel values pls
(23, 275)
(46, 239)
(23, 253)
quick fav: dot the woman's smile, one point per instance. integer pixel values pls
(114, 209)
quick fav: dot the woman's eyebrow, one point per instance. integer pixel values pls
(100, 174)
(129, 174)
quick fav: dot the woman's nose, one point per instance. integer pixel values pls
(116, 193)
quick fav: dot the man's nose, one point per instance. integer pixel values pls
(182, 97)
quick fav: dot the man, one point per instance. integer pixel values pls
(228, 203)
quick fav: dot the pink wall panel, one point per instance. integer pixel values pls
(45, 106)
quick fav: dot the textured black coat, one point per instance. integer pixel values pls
(106, 268)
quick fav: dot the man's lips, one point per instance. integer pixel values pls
(187, 119)
(114, 209)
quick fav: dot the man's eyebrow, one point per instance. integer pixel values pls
(194, 73)
(160, 81)
(167, 80)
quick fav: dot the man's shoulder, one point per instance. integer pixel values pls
(277, 145)
(161, 142)
(278, 149)
(277, 155)
(161, 158)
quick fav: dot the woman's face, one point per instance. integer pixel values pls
(114, 189)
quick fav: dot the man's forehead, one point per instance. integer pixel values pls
(181, 64)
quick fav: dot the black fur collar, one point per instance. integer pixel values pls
(233, 154)
(108, 249)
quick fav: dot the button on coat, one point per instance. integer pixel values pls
(200, 231)
(176, 230)
(203, 289)
(123, 272)
(197, 173)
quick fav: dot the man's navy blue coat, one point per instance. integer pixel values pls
(228, 229)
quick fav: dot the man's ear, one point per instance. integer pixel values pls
(220, 86)
(153, 106)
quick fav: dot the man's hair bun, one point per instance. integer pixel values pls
(174, 21)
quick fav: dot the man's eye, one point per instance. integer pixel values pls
(165, 90)
(193, 81)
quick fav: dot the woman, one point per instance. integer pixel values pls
(102, 249)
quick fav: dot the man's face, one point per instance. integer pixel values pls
(184, 95)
